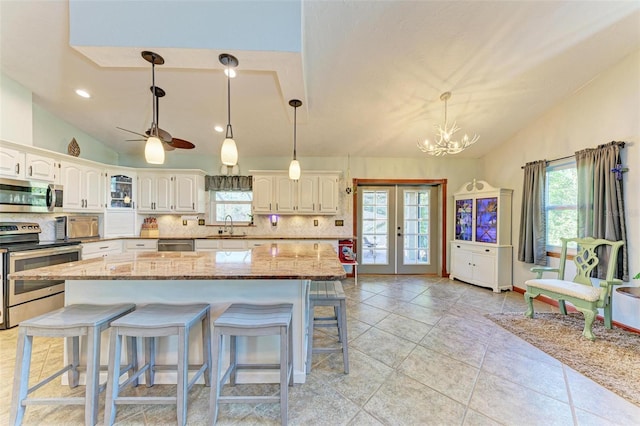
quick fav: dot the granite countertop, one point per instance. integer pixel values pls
(273, 261)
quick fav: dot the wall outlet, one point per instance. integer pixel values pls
(201, 222)
(184, 223)
(315, 222)
(340, 222)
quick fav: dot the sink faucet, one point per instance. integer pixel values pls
(230, 229)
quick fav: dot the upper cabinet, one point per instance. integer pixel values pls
(121, 189)
(17, 164)
(483, 214)
(314, 193)
(170, 192)
(83, 188)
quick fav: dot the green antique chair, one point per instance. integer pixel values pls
(580, 292)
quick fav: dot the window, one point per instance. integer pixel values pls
(561, 205)
(236, 204)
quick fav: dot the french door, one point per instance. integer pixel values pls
(397, 229)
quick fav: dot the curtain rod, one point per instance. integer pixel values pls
(569, 156)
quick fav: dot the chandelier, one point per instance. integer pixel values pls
(445, 144)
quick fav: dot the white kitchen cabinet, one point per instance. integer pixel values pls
(232, 244)
(83, 188)
(481, 252)
(142, 244)
(12, 163)
(120, 223)
(171, 192)
(121, 189)
(262, 193)
(101, 249)
(314, 193)
(41, 168)
(482, 265)
(328, 190)
(206, 245)
(155, 193)
(189, 193)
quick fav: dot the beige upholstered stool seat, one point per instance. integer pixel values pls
(71, 322)
(150, 322)
(252, 320)
(328, 293)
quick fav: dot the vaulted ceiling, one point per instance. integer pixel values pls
(369, 73)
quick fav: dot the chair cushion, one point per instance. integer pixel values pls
(569, 288)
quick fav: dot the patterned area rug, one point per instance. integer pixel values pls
(613, 360)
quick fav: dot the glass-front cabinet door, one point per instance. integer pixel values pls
(121, 194)
(487, 220)
(464, 219)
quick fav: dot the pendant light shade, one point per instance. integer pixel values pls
(294, 166)
(229, 150)
(154, 151)
(294, 170)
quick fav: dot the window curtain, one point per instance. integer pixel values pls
(533, 228)
(228, 183)
(601, 203)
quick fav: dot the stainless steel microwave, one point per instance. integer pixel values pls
(19, 196)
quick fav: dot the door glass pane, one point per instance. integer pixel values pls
(375, 227)
(416, 227)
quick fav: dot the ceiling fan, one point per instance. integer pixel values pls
(169, 143)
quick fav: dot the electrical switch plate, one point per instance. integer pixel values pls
(201, 222)
(340, 222)
(184, 223)
(315, 222)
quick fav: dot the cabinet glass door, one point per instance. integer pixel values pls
(464, 219)
(121, 189)
(487, 220)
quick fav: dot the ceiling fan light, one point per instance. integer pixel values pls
(229, 152)
(294, 170)
(154, 151)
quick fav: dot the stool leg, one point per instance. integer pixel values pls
(336, 315)
(233, 359)
(93, 373)
(290, 368)
(132, 358)
(345, 341)
(206, 347)
(150, 359)
(73, 357)
(113, 376)
(310, 315)
(183, 369)
(284, 373)
(21, 376)
(216, 364)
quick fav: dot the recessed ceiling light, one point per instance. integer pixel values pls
(83, 93)
(230, 72)
(218, 129)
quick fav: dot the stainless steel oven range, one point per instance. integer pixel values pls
(22, 250)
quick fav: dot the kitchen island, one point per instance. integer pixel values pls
(272, 273)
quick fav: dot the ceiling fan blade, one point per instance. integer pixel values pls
(181, 143)
(131, 131)
(168, 147)
(135, 140)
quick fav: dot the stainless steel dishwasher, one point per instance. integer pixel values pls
(175, 245)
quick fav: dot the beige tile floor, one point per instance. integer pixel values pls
(421, 353)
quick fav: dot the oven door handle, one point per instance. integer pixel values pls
(44, 252)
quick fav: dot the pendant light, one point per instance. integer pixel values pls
(229, 151)
(294, 167)
(153, 149)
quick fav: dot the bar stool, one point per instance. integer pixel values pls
(70, 322)
(328, 293)
(253, 320)
(150, 322)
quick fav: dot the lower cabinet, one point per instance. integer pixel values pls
(482, 265)
(143, 244)
(101, 249)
